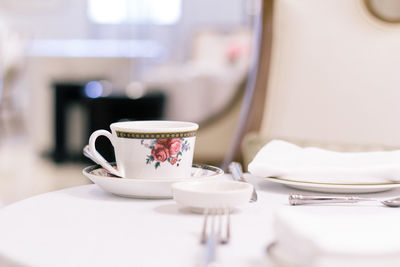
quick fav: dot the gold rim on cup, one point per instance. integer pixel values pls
(155, 135)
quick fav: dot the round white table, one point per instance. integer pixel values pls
(86, 226)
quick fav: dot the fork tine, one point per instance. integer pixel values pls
(225, 212)
(216, 223)
(228, 224)
(219, 213)
(204, 231)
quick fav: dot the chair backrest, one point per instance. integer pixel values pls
(331, 74)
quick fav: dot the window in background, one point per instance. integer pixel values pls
(160, 12)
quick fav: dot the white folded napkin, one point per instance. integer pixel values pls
(288, 161)
(334, 239)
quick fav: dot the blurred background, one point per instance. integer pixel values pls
(71, 67)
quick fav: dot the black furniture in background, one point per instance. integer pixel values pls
(96, 113)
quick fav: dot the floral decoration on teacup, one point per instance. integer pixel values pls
(168, 150)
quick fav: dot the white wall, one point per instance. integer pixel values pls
(67, 19)
(63, 19)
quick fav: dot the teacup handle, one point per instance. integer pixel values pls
(100, 159)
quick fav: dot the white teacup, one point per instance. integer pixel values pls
(149, 149)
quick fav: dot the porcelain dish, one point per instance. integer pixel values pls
(212, 194)
(334, 188)
(146, 188)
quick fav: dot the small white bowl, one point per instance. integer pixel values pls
(212, 194)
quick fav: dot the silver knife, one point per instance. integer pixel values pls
(237, 173)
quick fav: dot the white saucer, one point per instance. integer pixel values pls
(335, 188)
(212, 194)
(146, 188)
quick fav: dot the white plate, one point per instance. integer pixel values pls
(212, 194)
(146, 188)
(334, 188)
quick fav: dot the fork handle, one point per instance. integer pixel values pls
(236, 170)
(302, 199)
(211, 248)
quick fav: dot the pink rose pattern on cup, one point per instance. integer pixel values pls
(165, 150)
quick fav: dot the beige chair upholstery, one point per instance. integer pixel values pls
(333, 76)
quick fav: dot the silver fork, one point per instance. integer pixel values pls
(216, 230)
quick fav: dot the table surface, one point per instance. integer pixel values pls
(86, 226)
